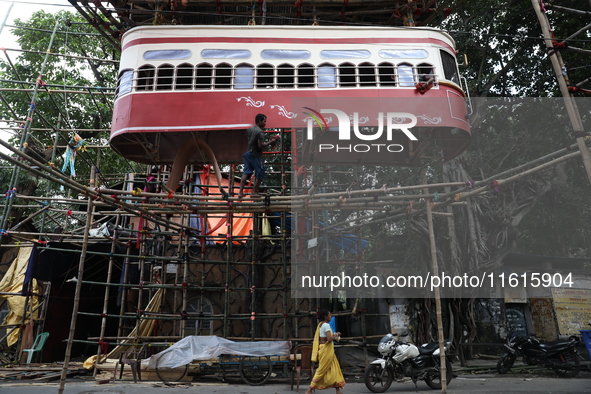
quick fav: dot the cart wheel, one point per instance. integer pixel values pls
(255, 370)
(167, 374)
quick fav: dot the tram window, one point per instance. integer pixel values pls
(244, 77)
(203, 76)
(347, 74)
(284, 54)
(387, 74)
(265, 76)
(403, 53)
(367, 74)
(305, 76)
(223, 76)
(285, 76)
(184, 76)
(450, 69)
(327, 76)
(124, 83)
(145, 78)
(425, 73)
(225, 53)
(345, 54)
(405, 75)
(164, 80)
(171, 54)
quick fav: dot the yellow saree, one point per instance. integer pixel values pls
(328, 374)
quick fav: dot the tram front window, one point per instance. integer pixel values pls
(450, 68)
(124, 83)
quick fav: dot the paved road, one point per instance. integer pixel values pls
(542, 383)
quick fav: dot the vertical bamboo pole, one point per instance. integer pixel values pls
(435, 272)
(6, 17)
(285, 273)
(26, 132)
(184, 239)
(139, 312)
(178, 297)
(562, 78)
(107, 293)
(124, 289)
(80, 275)
(253, 274)
(25, 315)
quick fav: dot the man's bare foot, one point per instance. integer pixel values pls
(309, 391)
(240, 195)
(255, 196)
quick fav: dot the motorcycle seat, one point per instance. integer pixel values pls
(428, 348)
(555, 345)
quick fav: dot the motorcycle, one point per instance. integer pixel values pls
(400, 359)
(560, 356)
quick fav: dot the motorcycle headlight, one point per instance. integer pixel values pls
(385, 347)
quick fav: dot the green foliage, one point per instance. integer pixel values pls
(507, 56)
(85, 64)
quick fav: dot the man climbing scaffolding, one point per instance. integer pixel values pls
(253, 158)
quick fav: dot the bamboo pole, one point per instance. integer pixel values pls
(562, 78)
(107, 293)
(25, 135)
(6, 17)
(78, 291)
(435, 269)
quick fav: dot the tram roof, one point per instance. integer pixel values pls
(118, 16)
(293, 33)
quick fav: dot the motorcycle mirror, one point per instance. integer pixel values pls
(532, 334)
(404, 334)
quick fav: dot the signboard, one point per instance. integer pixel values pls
(542, 318)
(573, 310)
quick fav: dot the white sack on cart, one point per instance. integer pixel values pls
(207, 347)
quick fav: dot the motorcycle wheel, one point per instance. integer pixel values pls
(433, 379)
(375, 381)
(570, 357)
(505, 363)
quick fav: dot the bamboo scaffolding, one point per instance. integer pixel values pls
(391, 203)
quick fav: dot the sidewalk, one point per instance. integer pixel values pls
(485, 383)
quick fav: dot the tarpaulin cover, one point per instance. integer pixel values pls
(217, 224)
(207, 347)
(145, 328)
(12, 282)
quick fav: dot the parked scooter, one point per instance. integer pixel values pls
(400, 359)
(560, 356)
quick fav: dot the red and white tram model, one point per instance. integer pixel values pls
(188, 87)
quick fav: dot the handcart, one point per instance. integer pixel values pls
(254, 360)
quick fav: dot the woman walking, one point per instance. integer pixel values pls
(329, 372)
